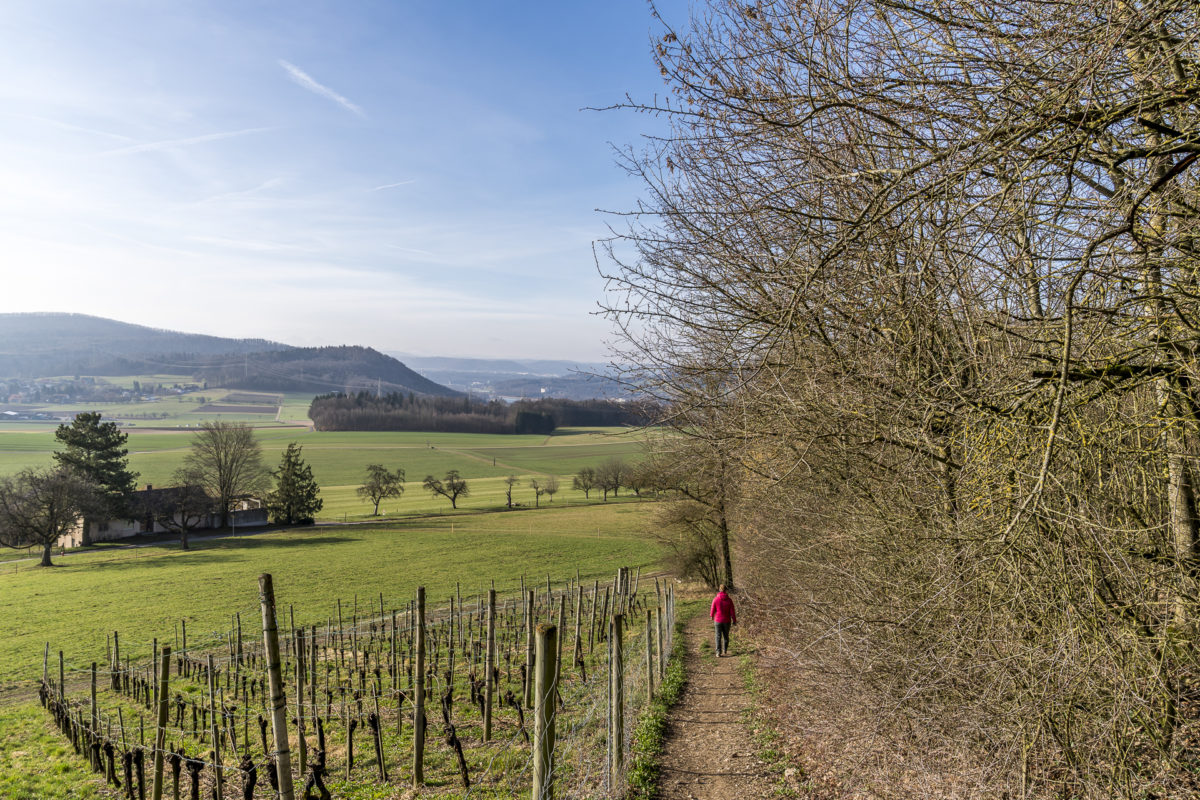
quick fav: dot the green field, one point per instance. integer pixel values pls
(339, 461)
(145, 592)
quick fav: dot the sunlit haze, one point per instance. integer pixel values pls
(415, 176)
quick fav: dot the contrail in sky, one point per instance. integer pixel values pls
(305, 80)
(393, 185)
(169, 143)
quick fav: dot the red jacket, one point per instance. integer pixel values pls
(722, 609)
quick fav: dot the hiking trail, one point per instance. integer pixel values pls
(709, 751)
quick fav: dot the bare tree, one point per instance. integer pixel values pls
(452, 487)
(381, 484)
(584, 481)
(40, 506)
(509, 483)
(610, 476)
(181, 508)
(923, 276)
(227, 460)
(550, 486)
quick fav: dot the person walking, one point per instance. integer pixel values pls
(723, 615)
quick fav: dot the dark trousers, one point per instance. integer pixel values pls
(722, 637)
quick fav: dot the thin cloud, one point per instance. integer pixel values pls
(393, 185)
(305, 80)
(166, 144)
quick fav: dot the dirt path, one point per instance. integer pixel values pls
(709, 751)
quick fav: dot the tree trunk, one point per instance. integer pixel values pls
(183, 539)
(46, 555)
(726, 560)
(85, 539)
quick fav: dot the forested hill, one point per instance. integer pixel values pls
(45, 344)
(318, 370)
(42, 344)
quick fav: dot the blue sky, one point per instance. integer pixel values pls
(411, 176)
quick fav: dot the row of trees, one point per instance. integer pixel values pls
(365, 411)
(92, 483)
(919, 284)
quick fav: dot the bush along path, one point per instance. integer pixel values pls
(709, 752)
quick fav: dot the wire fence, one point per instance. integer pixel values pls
(351, 690)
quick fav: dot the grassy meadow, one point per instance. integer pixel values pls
(339, 460)
(145, 592)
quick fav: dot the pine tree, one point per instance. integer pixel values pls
(296, 499)
(95, 452)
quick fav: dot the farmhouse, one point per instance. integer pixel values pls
(247, 512)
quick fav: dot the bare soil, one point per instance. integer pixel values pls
(709, 751)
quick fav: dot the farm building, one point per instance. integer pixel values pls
(248, 512)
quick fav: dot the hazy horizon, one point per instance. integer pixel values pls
(418, 179)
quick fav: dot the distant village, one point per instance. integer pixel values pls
(17, 395)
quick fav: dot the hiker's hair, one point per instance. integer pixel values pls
(721, 588)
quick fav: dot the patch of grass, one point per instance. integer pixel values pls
(36, 761)
(650, 731)
(767, 739)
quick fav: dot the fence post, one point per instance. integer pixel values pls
(650, 656)
(160, 730)
(545, 712)
(617, 762)
(489, 665)
(529, 652)
(662, 656)
(299, 649)
(419, 695)
(283, 758)
(95, 711)
(562, 626)
(216, 731)
(576, 649)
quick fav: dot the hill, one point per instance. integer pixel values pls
(48, 344)
(513, 378)
(42, 344)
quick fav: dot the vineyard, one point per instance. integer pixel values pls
(500, 693)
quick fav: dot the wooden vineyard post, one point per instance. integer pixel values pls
(419, 694)
(617, 714)
(545, 711)
(216, 728)
(592, 624)
(489, 665)
(95, 711)
(662, 657)
(649, 656)
(576, 648)
(160, 728)
(298, 648)
(562, 626)
(529, 652)
(283, 760)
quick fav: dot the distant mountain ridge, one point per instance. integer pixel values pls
(46, 344)
(522, 378)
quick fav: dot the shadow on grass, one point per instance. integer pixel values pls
(214, 551)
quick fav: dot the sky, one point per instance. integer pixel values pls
(406, 175)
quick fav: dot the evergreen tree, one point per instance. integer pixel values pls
(296, 499)
(95, 451)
